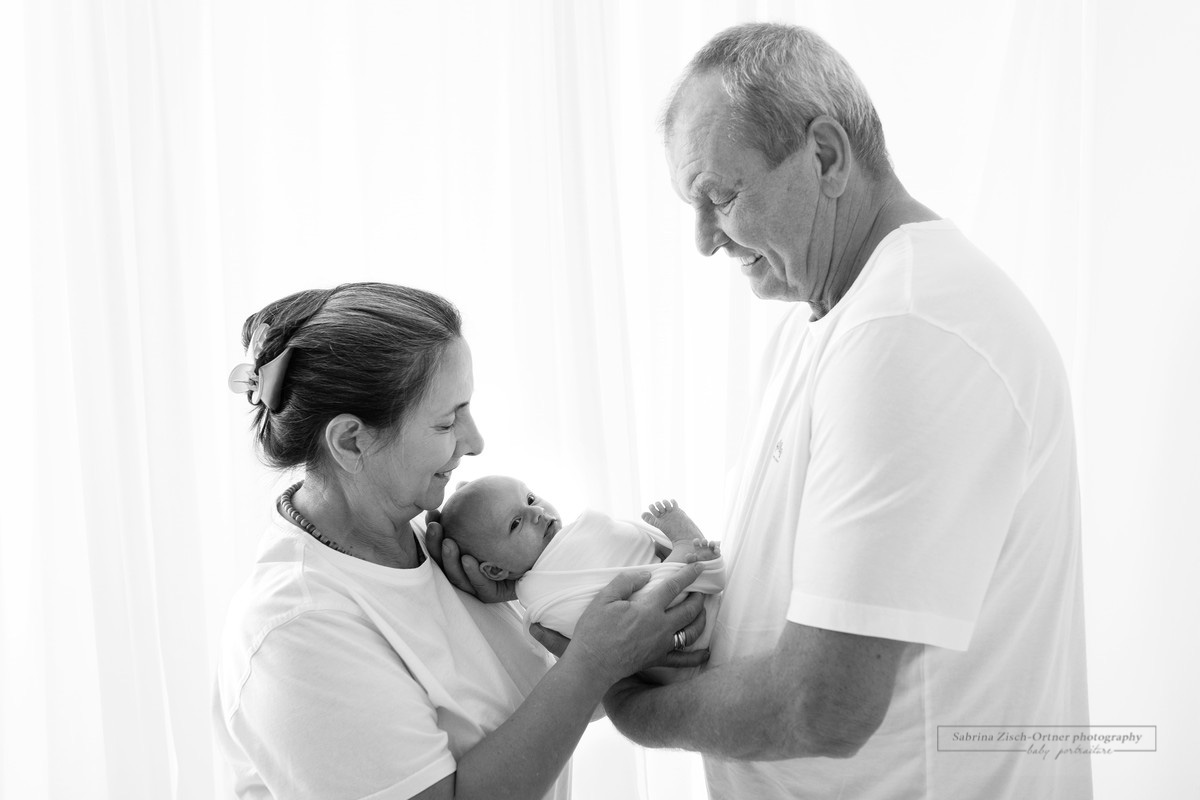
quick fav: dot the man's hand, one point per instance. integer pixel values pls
(463, 570)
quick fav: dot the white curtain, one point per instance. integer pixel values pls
(168, 167)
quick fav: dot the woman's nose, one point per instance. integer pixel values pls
(470, 441)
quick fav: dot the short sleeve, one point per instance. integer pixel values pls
(328, 710)
(917, 459)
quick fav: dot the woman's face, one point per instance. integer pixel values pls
(410, 473)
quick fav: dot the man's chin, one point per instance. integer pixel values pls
(768, 287)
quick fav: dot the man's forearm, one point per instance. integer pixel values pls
(731, 712)
(818, 693)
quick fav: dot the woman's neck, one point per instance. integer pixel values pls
(363, 528)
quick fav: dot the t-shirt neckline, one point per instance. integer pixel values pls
(358, 566)
(886, 243)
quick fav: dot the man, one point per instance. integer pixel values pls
(904, 544)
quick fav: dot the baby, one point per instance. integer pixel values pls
(515, 534)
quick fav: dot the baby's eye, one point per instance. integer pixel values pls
(530, 498)
(516, 523)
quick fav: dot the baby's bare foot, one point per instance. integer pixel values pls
(668, 517)
(689, 543)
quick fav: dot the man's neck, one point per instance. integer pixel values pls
(863, 219)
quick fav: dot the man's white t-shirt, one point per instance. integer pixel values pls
(912, 476)
(339, 678)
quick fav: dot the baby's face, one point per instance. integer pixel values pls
(512, 525)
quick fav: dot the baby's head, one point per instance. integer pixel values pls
(501, 523)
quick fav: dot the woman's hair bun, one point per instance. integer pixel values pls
(367, 349)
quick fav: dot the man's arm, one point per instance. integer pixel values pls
(819, 693)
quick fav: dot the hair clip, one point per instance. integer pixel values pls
(266, 384)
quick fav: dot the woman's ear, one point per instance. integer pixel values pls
(493, 572)
(347, 439)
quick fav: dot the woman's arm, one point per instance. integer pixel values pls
(615, 637)
(524, 756)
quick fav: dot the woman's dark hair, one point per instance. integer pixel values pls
(367, 349)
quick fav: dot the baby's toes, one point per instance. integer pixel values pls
(649, 518)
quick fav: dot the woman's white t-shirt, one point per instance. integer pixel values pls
(339, 678)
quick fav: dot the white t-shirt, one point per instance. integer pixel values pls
(912, 476)
(339, 678)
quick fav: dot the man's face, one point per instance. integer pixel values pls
(765, 219)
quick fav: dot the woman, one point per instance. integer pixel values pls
(350, 667)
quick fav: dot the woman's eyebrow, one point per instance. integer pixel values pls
(456, 409)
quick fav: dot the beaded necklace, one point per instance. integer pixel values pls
(285, 505)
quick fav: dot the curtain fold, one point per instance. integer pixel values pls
(166, 168)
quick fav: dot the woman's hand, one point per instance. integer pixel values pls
(619, 636)
(463, 570)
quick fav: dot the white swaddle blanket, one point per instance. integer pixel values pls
(584, 556)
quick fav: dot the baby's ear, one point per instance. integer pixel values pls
(493, 572)
(460, 484)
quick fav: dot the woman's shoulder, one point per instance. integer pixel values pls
(295, 577)
(286, 581)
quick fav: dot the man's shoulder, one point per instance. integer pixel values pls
(940, 306)
(931, 274)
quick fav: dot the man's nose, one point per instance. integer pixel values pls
(709, 236)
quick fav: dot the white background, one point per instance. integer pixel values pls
(166, 168)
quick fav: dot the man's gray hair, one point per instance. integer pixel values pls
(779, 78)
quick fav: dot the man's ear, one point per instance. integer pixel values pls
(493, 572)
(834, 153)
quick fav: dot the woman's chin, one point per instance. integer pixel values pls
(434, 496)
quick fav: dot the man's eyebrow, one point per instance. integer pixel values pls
(702, 186)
